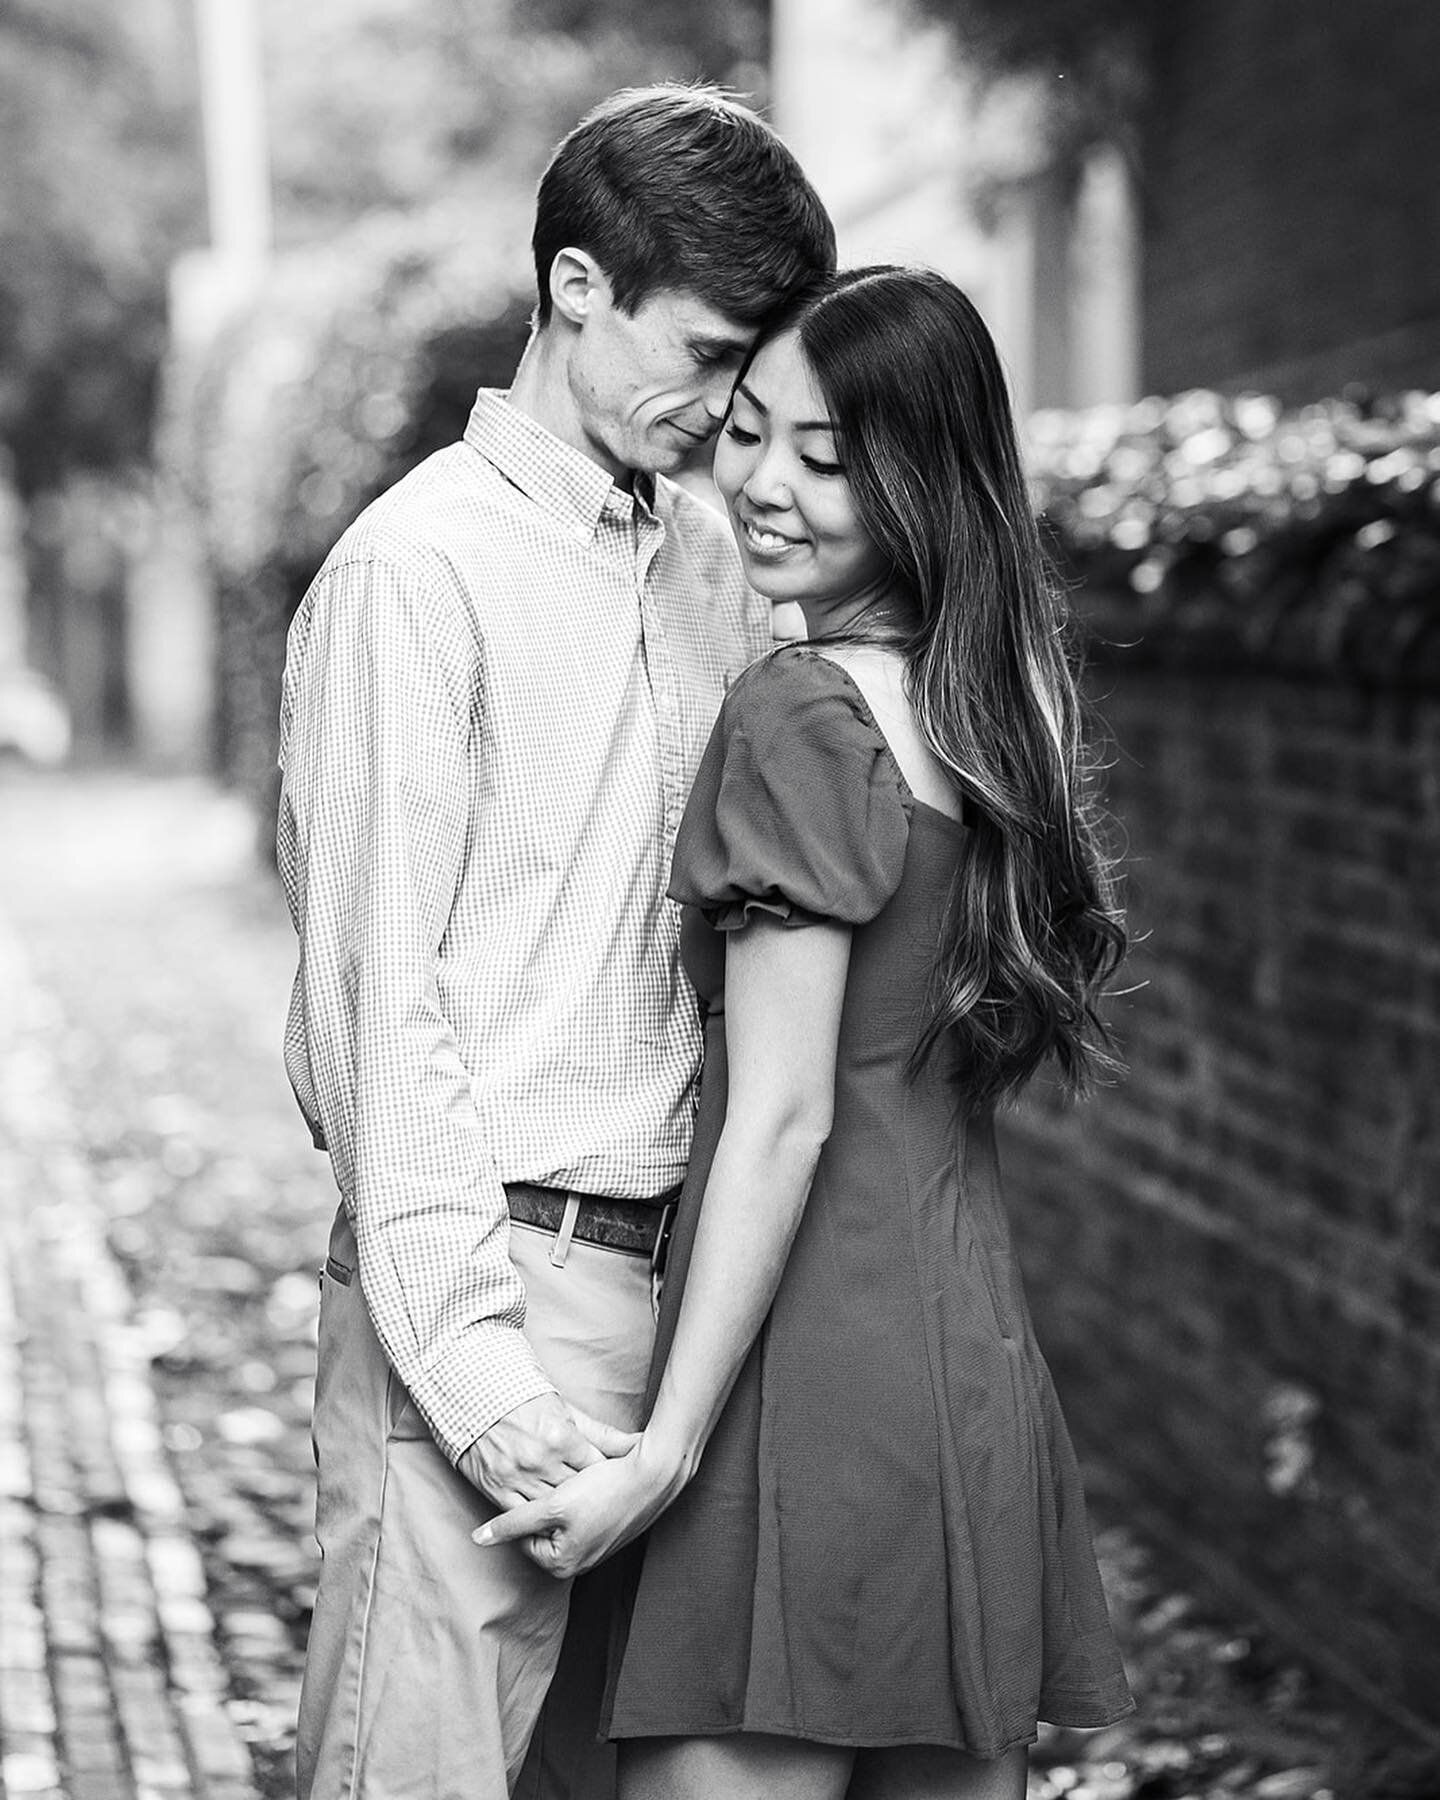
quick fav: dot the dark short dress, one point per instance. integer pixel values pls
(886, 1542)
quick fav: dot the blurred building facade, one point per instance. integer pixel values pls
(1291, 207)
(918, 162)
(1276, 226)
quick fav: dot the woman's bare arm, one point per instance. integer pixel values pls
(784, 991)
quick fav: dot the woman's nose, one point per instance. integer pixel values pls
(766, 485)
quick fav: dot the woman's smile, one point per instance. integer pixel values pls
(765, 540)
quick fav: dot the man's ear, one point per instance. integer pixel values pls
(576, 282)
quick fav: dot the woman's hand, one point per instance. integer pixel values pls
(590, 1516)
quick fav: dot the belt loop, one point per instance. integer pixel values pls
(657, 1255)
(560, 1249)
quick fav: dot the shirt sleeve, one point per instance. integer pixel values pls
(379, 706)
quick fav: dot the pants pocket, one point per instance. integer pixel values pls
(404, 1423)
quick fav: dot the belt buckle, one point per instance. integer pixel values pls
(657, 1255)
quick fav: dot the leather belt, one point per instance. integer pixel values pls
(636, 1226)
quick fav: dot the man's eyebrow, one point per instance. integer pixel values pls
(761, 407)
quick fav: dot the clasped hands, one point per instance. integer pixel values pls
(571, 1489)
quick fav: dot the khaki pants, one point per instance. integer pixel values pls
(429, 1658)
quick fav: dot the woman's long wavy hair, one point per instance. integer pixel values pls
(1031, 934)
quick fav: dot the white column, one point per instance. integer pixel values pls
(1105, 284)
(33, 718)
(232, 99)
(170, 610)
(12, 574)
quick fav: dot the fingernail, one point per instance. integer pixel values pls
(485, 1537)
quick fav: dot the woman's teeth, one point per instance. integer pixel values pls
(767, 540)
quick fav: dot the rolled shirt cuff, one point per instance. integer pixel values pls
(489, 1372)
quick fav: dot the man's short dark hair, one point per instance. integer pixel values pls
(682, 188)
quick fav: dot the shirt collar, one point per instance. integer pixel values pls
(560, 479)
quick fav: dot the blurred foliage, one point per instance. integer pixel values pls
(1311, 536)
(726, 42)
(98, 190)
(1088, 58)
(421, 96)
(350, 370)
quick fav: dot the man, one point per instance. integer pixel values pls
(495, 694)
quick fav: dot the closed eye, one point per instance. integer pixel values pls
(816, 467)
(717, 356)
(740, 435)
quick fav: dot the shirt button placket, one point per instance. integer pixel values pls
(664, 679)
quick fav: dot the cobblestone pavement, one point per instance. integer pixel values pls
(161, 1218)
(161, 1213)
(111, 1687)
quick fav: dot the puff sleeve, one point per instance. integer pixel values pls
(797, 809)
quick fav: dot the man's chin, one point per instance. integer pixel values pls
(678, 458)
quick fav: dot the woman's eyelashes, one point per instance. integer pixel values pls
(748, 439)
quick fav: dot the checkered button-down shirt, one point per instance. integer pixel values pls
(496, 692)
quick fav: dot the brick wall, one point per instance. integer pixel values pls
(1291, 209)
(1234, 1254)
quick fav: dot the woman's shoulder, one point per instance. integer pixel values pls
(798, 688)
(796, 798)
(798, 715)
(847, 696)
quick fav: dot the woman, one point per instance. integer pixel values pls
(880, 1575)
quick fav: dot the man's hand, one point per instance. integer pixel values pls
(573, 1527)
(537, 1446)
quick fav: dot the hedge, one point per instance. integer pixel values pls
(1224, 528)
